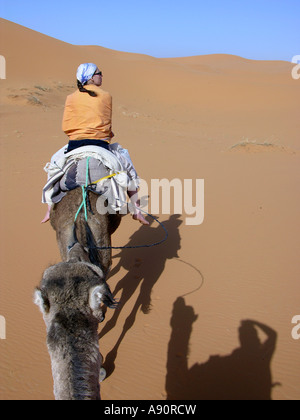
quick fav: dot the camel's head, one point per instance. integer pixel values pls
(71, 295)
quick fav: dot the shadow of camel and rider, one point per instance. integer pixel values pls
(144, 266)
(245, 374)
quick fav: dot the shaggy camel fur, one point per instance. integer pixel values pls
(70, 296)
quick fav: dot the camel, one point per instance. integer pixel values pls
(70, 297)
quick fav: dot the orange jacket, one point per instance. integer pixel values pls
(88, 117)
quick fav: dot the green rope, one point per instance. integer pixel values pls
(84, 193)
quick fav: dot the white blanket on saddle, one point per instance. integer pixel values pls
(115, 161)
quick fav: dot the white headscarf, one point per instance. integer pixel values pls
(85, 72)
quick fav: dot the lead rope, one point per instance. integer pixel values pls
(84, 193)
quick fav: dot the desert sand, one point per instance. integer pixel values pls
(208, 314)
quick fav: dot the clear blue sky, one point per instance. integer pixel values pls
(256, 29)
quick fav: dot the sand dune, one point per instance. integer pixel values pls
(181, 333)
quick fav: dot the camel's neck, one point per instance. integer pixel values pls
(76, 363)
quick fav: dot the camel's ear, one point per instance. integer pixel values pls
(96, 294)
(101, 294)
(41, 301)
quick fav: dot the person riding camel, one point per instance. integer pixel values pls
(87, 121)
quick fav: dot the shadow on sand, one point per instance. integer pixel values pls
(245, 374)
(144, 266)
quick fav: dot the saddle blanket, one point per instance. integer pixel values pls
(68, 171)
